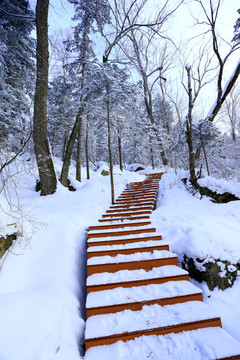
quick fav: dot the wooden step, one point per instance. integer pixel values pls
(188, 326)
(141, 208)
(129, 284)
(136, 306)
(133, 265)
(126, 217)
(139, 192)
(135, 200)
(126, 251)
(118, 226)
(124, 241)
(132, 204)
(138, 195)
(121, 233)
(133, 213)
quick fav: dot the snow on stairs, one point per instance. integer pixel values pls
(137, 292)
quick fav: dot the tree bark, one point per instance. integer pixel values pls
(109, 143)
(69, 149)
(120, 149)
(41, 145)
(78, 121)
(225, 93)
(189, 129)
(79, 152)
(86, 150)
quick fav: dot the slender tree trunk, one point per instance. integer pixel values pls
(148, 98)
(109, 143)
(41, 145)
(65, 141)
(120, 149)
(205, 154)
(86, 150)
(189, 129)
(74, 133)
(151, 152)
(79, 152)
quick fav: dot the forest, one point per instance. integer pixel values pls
(124, 89)
(146, 97)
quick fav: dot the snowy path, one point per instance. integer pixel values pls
(138, 294)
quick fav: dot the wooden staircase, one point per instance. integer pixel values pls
(135, 288)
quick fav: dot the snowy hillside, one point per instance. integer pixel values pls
(42, 278)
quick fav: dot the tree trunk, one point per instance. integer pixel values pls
(41, 145)
(72, 138)
(205, 154)
(69, 149)
(86, 150)
(109, 143)
(151, 152)
(79, 152)
(66, 133)
(189, 129)
(120, 149)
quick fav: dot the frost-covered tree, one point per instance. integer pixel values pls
(62, 107)
(236, 37)
(17, 50)
(91, 16)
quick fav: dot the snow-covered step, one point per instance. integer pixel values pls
(123, 276)
(138, 193)
(126, 251)
(211, 343)
(134, 261)
(135, 198)
(135, 245)
(129, 231)
(134, 298)
(128, 213)
(130, 258)
(116, 240)
(141, 277)
(124, 217)
(132, 204)
(124, 224)
(153, 319)
(146, 191)
(130, 209)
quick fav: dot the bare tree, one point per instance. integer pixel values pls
(230, 111)
(210, 20)
(41, 146)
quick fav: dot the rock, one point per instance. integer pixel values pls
(218, 198)
(216, 273)
(104, 173)
(5, 243)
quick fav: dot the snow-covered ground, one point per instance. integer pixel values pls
(200, 228)
(42, 279)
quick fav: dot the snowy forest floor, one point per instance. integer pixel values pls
(42, 278)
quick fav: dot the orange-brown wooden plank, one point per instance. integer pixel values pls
(121, 233)
(143, 282)
(127, 251)
(135, 306)
(131, 265)
(125, 217)
(133, 213)
(117, 226)
(124, 241)
(194, 325)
